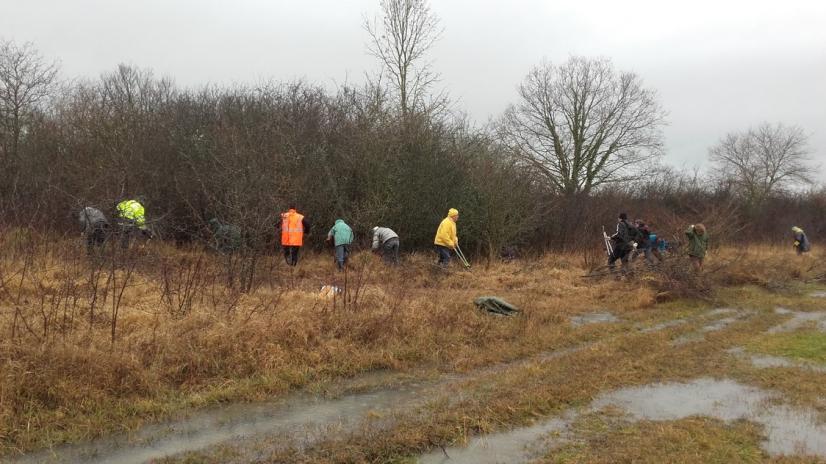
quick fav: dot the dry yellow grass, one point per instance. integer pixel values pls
(184, 338)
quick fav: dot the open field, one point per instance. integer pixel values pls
(101, 348)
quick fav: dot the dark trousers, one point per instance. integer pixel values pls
(127, 232)
(620, 253)
(342, 253)
(97, 235)
(390, 251)
(291, 254)
(444, 255)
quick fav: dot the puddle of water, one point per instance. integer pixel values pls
(721, 311)
(799, 319)
(726, 400)
(664, 325)
(763, 361)
(513, 446)
(788, 430)
(713, 326)
(719, 324)
(297, 418)
(593, 318)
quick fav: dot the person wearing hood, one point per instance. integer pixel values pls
(801, 241)
(446, 237)
(387, 242)
(342, 237)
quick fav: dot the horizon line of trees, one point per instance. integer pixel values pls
(582, 143)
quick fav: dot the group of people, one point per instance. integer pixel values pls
(631, 240)
(294, 225)
(385, 240)
(130, 221)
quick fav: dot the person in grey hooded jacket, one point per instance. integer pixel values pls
(95, 227)
(386, 242)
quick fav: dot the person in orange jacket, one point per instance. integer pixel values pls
(293, 227)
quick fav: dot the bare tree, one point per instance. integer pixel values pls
(26, 80)
(762, 161)
(582, 125)
(408, 30)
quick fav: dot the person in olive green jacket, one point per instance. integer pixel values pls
(697, 244)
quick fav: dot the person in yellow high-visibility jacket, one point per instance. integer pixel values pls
(446, 237)
(131, 219)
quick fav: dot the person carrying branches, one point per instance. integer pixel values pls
(801, 241)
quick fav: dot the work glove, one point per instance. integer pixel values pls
(796, 243)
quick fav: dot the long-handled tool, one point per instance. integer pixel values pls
(608, 248)
(462, 258)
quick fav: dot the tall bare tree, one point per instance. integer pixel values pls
(27, 79)
(582, 124)
(400, 40)
(762, 161)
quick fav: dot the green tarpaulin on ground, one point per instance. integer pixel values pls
(496, 305)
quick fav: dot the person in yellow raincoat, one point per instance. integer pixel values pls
(446, 239)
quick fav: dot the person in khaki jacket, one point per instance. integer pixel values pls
(697, 244)
(446, 239)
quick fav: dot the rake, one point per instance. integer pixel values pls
(462, 258)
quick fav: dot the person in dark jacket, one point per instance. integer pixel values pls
(644, 243)
(697, 244)
(622, 243)
(95, 227)
(801, 241)
(386, 242)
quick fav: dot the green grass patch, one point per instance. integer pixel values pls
(606, 439)
(802, 345)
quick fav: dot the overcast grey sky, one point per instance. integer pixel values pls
(718, 66)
